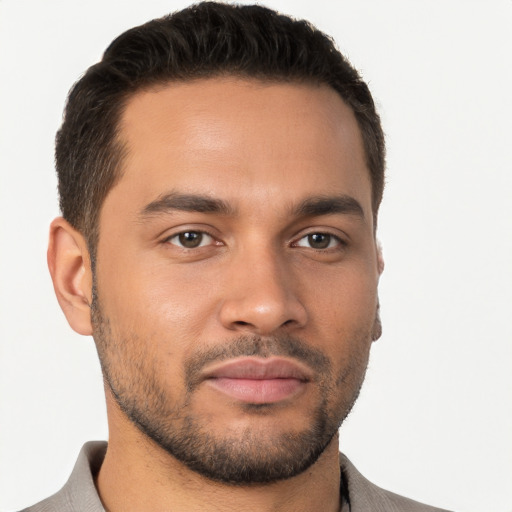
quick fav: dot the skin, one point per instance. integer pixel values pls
(262, 149)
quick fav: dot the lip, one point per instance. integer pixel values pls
(259, 380)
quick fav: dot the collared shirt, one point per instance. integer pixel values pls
(79, 494)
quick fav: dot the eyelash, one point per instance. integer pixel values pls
(340, 243)
(200, 232)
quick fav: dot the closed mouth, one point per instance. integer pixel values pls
(258, 380)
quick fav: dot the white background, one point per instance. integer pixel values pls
(434, 420)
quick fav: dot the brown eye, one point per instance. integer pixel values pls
(191, 239)
(319, 241)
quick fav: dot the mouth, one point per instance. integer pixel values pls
(255, 380)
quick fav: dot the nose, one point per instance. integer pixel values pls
(261, 296)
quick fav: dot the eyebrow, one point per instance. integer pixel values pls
(329, 205)
(187, 203)
(310, 207)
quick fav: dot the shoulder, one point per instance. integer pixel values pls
(79, 493)
(52, 504)
(367, 497)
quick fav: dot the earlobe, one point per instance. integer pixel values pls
(380, 259)
(377, 324)
(70, 268)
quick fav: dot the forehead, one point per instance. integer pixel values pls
(242, 140)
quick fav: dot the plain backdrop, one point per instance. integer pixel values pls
(434, 420)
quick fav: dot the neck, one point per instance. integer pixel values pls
(137, 475)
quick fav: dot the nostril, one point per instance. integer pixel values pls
(241, 323)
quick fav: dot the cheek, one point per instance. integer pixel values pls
(344, 300)
(343, 314)
(160, 303)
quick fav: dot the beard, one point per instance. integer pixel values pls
(252, 455)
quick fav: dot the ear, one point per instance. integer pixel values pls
(380, 258)
(70, 267)
(377, 324)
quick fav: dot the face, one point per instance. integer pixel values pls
(236, 278)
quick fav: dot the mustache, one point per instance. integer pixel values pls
(283, 346)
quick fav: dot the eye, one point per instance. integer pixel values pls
(191, 239)
(319, 241)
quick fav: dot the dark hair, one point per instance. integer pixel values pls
(204, 40)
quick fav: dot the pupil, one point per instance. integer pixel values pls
(319, 240)
(190, 239)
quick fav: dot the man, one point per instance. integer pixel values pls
(220, 173)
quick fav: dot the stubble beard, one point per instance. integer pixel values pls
(235, 457)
